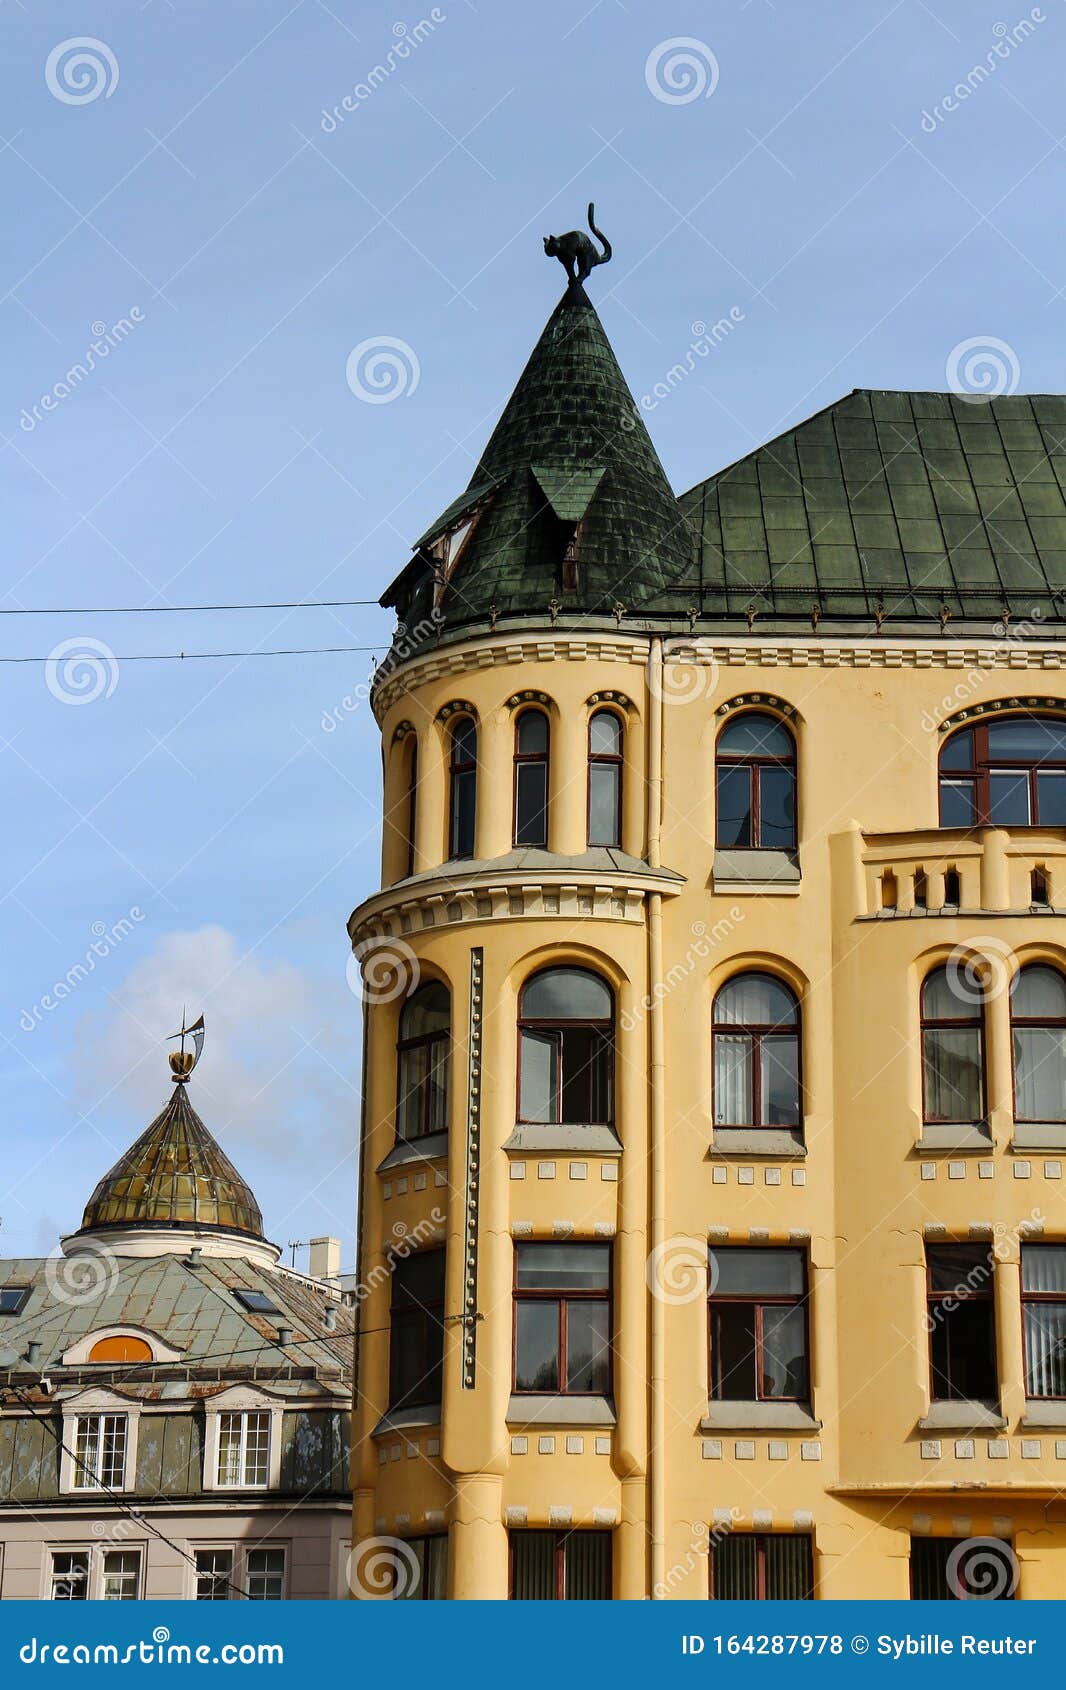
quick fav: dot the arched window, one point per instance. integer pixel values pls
(1009, 771)
(756, 784)
(531, 751)
(123, 1347)
(566, 1049)
(605, 778)
(412, 803)
(1038, 1025)
(755, 1033)
(952, 1048)
(462, 803)
(422, 1087)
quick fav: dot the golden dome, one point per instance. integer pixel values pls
(175, 1175)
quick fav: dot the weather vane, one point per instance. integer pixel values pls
(182, 1062)
(576, 253)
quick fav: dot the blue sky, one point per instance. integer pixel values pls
(185, 193)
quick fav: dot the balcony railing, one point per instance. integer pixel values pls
(945, 869)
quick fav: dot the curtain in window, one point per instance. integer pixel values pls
(588, 1567)
(533, 1566)
(1044, 1272)
(732, 1079)
(1040, 1073)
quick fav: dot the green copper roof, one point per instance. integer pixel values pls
(907, 502)
(174, 1175)
(571, 416)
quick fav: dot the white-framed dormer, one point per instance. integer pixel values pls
(137, 1339)
(99, 1450)
(240, 1421)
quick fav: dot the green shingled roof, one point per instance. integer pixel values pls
(570, 447)
(906, 501)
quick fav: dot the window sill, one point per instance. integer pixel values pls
(758, 1141)
(432, 1148)
(1045, 1414)
(407, 1419)
(603, 1141)
(954, 1136)
(1039, 1135)
(758, 1417)
(756, 871)
(962, 1417)
(560, 1411)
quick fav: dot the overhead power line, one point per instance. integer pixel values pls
(179, 609)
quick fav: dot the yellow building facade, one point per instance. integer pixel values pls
(712, 1214)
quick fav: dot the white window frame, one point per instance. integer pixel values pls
(207, 1548)
(239, 1553)
(241, 1399)
(96, 1553)
(91, 1404)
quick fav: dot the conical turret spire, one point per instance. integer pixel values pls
(569, 500)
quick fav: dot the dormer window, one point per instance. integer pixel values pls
(256, 1302)
(13, 1298)
(100, 1452)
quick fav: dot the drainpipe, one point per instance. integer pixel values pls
(656, 1121)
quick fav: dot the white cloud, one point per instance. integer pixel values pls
(257, 1083)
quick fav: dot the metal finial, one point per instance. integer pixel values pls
(182, 1062)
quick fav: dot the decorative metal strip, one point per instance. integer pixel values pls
(473, 1161)
(456, 707)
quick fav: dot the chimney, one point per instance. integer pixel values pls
(325, 1258)
(284, 1335)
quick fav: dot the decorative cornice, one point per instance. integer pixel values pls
(973, 711)
(573, 894)
(495, 650)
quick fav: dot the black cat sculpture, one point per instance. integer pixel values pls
(576, 252)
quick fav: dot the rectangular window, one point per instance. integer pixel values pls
(121, 1578)
(70, 1575)
(605, 803)
(100, 1452)
(1044, 1319)
(958, 803)
(758, 1325)
(734, 809)
(13, 1298)
(961, 1322)
(244, 1449)
(265, 1575)
(762, 1567)
(956, 1569)
(426, 1579)
(561, 1566)
(531, 803)
(416, 1342)
(214, 1574)
(563, 1319)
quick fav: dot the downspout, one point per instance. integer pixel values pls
(656, 1123)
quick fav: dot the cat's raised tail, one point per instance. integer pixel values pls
(601, 258)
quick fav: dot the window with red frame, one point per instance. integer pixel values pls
(566, 1049)
(1009, 771)
(1038, 1036)
(605, 779)
(560, 1566)
(562, 1322)
(953, 1077)
(422, 1058)
(762, 1567)
(416, 1335)
(757, 1307)
(960, 1320)
(755, 1034)
(532, 741)
(755, 784)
